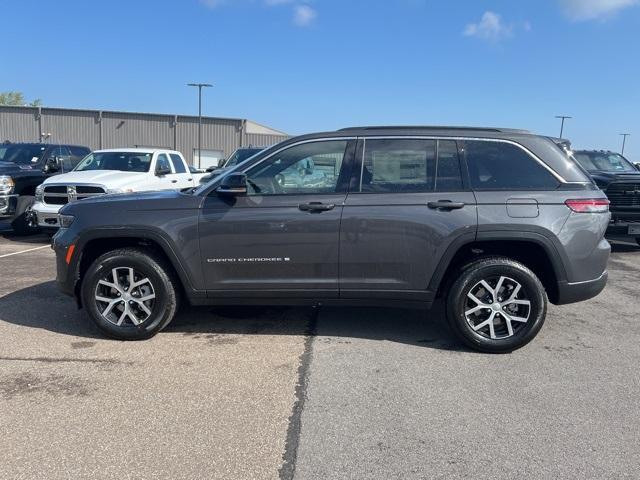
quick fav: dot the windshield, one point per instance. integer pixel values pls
(240, 156)
(21, 154)
(122, 161)
(603, 161)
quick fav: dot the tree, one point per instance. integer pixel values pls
(17, 99)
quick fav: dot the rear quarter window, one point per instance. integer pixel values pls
(497, 165)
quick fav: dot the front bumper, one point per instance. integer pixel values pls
(47, 214)
(66, 274)
(619, 227)
(580, 291)
(8, 205)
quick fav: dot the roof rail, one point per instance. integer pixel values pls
(423, 127)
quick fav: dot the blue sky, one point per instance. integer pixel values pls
(304, 66)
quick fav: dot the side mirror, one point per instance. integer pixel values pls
(638, 165)
(233, 184)
(161, 171)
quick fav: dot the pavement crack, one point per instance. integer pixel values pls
(287, 470)
(62, 360)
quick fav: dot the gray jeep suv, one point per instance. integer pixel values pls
(494, 221)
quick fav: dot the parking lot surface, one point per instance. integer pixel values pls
(297, 393)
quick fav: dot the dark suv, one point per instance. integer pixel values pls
(24, 166)
(620, 180)
(495, 221)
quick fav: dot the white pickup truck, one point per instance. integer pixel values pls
(112, 171)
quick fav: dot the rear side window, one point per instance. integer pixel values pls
(398, 165)
(503, 166)
(178, 164)
(410, 166)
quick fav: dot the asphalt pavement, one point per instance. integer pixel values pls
(298, 393)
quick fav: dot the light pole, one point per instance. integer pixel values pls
(624, 141)
(562, 118)
(200, 86)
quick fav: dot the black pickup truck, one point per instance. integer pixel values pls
(620, 180)
(24, 166)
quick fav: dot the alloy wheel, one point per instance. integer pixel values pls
(497, 307)
(125, 297)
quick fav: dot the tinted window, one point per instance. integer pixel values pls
(398, 165)
(79, 151)
(448, 173)
(503, 166)
(25, 154)
(603, 161)
(308, 168)
(178, 164)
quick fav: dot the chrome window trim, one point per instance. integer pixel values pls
(458, 138)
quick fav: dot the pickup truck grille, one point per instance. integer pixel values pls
(63, 194)
(624, 195)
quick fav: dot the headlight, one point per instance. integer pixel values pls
(65, 221)
(6, 184)
(40, 193)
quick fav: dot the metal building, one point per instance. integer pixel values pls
(108, 129)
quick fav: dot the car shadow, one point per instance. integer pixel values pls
(7, 233)
(42, 306)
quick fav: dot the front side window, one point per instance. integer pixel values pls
(605, 162)
(122, 161)
(303, 169)
(497, 165)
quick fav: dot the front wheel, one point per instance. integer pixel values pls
(129, 294)
(496, 305)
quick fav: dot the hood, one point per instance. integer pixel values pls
(108, 178)
(7, 168)
(158, 200)
(602, 177)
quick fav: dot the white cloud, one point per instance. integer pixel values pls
(490, 27)
(303, 15)
(579, 10)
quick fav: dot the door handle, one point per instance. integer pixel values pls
(445, 205)
(174, 181)
(316, 207)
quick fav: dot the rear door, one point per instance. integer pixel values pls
(282, 238)
(408, 202)
(181, 177)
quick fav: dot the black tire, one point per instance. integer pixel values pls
(514, 335)
(160, 277)
(20, 222)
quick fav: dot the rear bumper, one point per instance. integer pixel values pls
(580, 291)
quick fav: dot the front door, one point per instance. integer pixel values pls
(282, 238)
(408, 202)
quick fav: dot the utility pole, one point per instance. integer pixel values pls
(562, 118)
(200, 86)
(624, 141)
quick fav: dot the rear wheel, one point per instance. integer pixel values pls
(24, 222)
(496, 305)
(130, 294)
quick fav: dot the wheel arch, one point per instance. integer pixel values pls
(535, 251)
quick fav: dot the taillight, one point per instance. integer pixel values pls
(588, 205)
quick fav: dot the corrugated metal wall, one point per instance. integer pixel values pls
(97, 129)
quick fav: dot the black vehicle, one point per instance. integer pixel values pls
(494, 221)
(24, 166)
(620, 180)
(240, 155)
